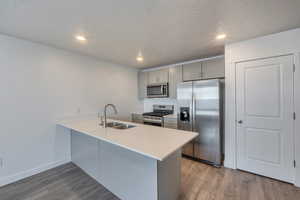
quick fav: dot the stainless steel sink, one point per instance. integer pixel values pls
(118, 125)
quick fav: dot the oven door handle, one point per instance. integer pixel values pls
(153, 120)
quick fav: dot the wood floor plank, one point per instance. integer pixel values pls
(66, 182)
(199, 182)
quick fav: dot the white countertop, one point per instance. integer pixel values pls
(155, 142)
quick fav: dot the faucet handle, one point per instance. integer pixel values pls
(101, 119)
(103, 122)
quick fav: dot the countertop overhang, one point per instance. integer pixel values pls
(151, 141)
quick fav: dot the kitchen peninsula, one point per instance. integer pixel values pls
(139, 162)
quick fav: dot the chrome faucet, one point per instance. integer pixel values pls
(104, 123)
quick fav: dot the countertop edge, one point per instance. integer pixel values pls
(120, 145)
(123, 146)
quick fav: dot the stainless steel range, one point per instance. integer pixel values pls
(156, 118)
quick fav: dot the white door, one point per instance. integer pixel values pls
(265, 117)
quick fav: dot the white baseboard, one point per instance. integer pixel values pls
(21, 175)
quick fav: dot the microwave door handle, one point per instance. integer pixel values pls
(167, 90)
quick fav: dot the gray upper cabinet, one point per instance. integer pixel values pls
(153, 77)
(171, 75)
(158, 76)
(142, 84)
(175, 77)
(207, 69)
(192, 71)
(213, 68)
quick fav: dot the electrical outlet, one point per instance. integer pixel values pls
(78, 110)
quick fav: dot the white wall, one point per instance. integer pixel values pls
(39, 85)
(283, 43)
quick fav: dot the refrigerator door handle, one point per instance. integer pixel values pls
(193, 109)
(185, 113)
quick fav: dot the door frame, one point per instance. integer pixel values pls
(291, 56)
(231, 111)
(279, 44)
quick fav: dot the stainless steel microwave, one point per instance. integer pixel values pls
(158, 90)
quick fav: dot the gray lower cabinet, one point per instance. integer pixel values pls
(137, 118)
(213, 68)
(170, 122)
(175, 77)
(142, 84)
(124, 172)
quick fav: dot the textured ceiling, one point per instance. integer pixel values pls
(164, 31)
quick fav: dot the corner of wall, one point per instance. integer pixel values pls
(24, 174)
(229, 110)
(297, 123)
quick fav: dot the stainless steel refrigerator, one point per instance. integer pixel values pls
(200, 110)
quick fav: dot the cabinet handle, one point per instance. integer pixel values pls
(240, 121)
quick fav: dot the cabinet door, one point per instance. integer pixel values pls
(137, 118)
(152, 77)
(175, 77)
(213, 68)
(192, 71)
(170, 123)
(163, 75)
(158, 76)
(142, 84)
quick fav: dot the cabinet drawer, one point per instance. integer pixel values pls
(137, 118)
(170, 122)
(170, 125)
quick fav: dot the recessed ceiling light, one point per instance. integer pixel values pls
(80, 38)
(221, 36)
(140, 58)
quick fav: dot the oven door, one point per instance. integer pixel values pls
(158, 90)
(152, 121)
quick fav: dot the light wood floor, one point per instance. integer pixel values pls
(199, 182)
(203, 182)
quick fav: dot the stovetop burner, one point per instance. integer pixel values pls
(160, 110)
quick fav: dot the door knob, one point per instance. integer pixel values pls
(240, 121)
